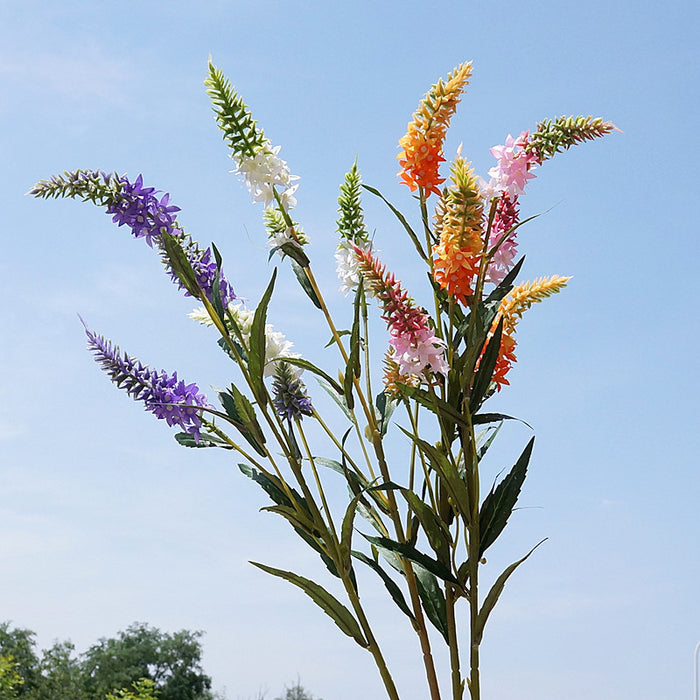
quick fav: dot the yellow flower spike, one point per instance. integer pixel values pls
(522, 297)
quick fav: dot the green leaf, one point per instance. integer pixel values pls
(500, 502)
(223, 344)
(412, 554)
(216, 288)
(305, 284)
(482, 380)
(339, 400)
(271, 485)
(205, 440)
(256, 354)
(386, 405)
(448, 473)
(496, 590)
(180, 265)
(328, 603)
(434, 404)
(438, 535)
(480, 418)
(411, 233)
(241, 414)
(305, 364)
(297, 518)
(352, 368)
(391, 586)
(433, 600)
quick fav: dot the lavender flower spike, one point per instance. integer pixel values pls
(163, 395)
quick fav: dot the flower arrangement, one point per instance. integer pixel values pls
(428, 524)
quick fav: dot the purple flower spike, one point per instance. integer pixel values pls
(145, 214)
(204, 267)
(149, 217)
(164, 395)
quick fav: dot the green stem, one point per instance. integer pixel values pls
(457, 683)
(373, 646)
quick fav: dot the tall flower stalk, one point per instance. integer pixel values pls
(428, 521)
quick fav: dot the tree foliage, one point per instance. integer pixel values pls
(140, 663)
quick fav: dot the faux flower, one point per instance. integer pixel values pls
(164, 395)
(263, 173)
(513, 168)
(421, 152)
(139, 208)
(511, 310)
(416, 347)
(277, 347)
(506, 217)
(459, 226)
(289, 393)
(347, 265)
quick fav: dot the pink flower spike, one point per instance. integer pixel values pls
(513, 167)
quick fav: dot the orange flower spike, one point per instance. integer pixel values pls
(458, 223)
(511, 309)
(421, 152)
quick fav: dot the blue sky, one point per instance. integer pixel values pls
(105, 520)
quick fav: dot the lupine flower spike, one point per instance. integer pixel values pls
(164, 395)
(417, 350)
(422, 145)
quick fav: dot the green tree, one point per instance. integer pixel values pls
(61, 674)
(10, 680)
(171, 661)
(297, 692)
(19, 644)
(143, 689)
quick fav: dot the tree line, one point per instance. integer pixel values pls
(140, 663)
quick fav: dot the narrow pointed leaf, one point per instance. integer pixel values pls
(412, 554)
(500, 502)
(496, 590)
(386, 407)
(305, 364)
(391, 586)
(434, 528)
(433, 600)
(305, 284)
(328, 603)
(339, 400)
(482, 380)
(352, 368)
(205, 440)
(256, 354)
(248, 427)
(180, 265)
(411, 233)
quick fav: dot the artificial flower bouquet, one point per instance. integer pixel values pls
(421, 524)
